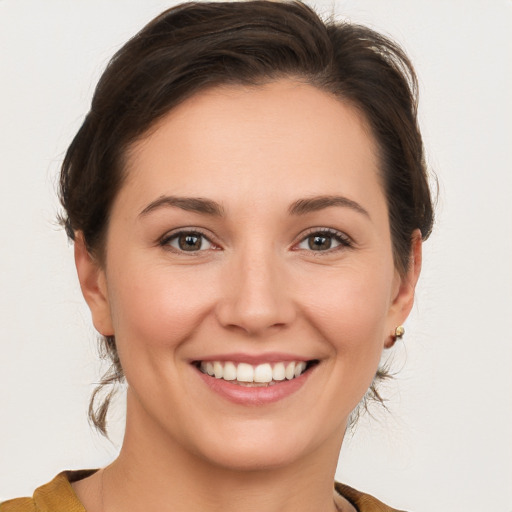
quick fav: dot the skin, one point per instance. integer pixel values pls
(256, 287)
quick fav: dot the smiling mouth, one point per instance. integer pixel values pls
(261, 375)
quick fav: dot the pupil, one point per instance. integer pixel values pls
(190, 242)
(319, 242)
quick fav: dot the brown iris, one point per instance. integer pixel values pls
(190, 241)
(319, 242)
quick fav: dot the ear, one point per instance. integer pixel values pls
(403, 298)
(94, 287)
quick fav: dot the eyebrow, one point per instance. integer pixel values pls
(209, 207)
(190, 204)
(316, 203)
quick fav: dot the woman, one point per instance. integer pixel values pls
(247, 198)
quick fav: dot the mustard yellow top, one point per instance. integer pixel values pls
(58, 496)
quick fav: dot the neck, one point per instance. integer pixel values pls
(153, 471)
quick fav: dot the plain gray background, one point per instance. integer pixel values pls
(446, 444)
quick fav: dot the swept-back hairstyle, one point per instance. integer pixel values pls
(199, 45)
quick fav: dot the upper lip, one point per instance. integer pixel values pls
(254, 359)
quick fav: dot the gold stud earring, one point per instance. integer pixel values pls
(399, 332)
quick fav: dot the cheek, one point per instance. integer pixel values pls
(159, 305)
(349, 307)
(352, 320)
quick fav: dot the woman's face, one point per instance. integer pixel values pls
(250, 239)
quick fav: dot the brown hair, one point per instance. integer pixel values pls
(199, 45)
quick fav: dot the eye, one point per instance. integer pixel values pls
(187, 241)
(324, 240)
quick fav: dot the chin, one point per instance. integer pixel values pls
(252, 459)
(262, 447)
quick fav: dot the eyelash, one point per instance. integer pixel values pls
(343, 240)
(165, 242)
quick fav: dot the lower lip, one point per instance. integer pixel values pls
(255, 396)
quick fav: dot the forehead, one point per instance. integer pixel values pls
(284, 135)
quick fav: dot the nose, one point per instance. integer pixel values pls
(256, 295)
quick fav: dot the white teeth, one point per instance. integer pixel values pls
(217, 370)
(245, 373)
(229, 371)
(299, 368)
(263, 373)
(290, 371)
(248, 374)
(278, 372)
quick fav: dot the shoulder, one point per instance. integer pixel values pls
(18, 505)
(55, 496)
(363, 502)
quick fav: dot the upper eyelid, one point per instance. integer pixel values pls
(170, 235)
(329, 231)
(178, 231)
